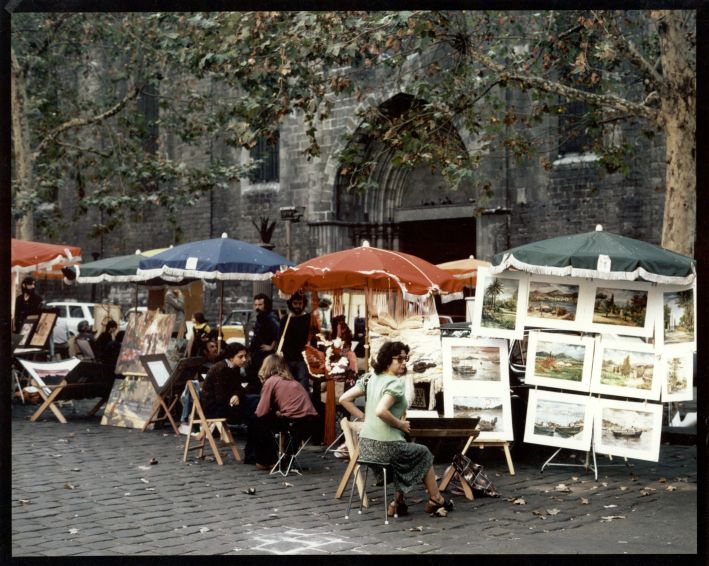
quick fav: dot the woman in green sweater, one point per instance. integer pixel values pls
(383, 434)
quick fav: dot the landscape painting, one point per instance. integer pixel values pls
(625, 369)
(559, 419)
(677, 370)
(553, 302)
(624, 308)
(146, 333)
(500, 304)
(474, 360)
(628, 429)
(559, 360)
(677, 321)
(491, 405)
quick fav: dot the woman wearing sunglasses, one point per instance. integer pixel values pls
(383, 433)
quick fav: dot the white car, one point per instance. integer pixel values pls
(74, 312)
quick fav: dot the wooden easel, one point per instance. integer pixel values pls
(351, 434)
(160, 405)
(504, 444)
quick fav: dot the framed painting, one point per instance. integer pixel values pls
(556, 419)
(676, 369)
(559, 360)
(621, 307)
(158, 369)
(27, 330)
(146, 333)
(628, 429)
(625, 369)
(676, 321)
(491, 405)
(555, 302)
(500, 304)
(474, 360)
(43, 330)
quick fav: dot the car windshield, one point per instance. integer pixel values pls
(237, 317)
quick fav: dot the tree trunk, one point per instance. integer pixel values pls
(24, 228)
(678, 120)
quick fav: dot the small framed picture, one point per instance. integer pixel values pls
(492, 405)
(500, 304)
(628, 429)
(676, 321)
(559, 419)
(43, 330)
(621, 307)
(625, 368)
(474, 360)
(27, 330)
(158, 368)
(559, 360)
(676, 369)
(555, 302)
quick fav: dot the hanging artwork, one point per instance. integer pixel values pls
(559, 419)
(624, 428)
(621, 307)
(676, 370)
(677, 320)
(500, 304)
(559, 360)
(476, 384)
(625, 369)
(554, 302)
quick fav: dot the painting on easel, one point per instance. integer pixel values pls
(147, 333)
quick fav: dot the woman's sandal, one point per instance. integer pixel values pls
(397, 508)
(434, 507)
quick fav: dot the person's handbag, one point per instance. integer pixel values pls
(472, 474)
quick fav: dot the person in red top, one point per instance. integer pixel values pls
(283, 399)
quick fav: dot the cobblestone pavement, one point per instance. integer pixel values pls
(84, 489)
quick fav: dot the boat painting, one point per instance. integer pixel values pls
(559, 419)
(629, 429)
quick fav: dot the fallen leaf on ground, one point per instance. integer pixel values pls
(519, 501)
(76, 469)
(604, 484)
(562, 487)
(144, 480)
(539, 514)
(670, 488)
(62, 440)
(609, 506)
(288, 484)
(683, 480)
(153, 461)
(441, 512)
(68, 486)
(553, 511)
(575, 478)
(250, 491)
(584, 501)
(204, 530)
(24, 501)
(662, 480)
(419, 528)
(609, 518)
(647, 491)
(143, 468)
(127, 493)
(73, 531)
(623, 488)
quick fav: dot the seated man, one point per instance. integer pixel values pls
(222, 391)
(283, 399)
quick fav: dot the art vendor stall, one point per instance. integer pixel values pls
(611, 335)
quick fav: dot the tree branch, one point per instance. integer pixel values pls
(609, 101)
(87, 149)
(81, 122)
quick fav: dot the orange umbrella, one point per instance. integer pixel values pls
(366, 267)
(464, 269)
(36, 256)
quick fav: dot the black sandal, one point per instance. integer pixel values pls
(433, 506)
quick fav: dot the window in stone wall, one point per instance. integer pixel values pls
(573, 129)
(148, 104)
(266, 171)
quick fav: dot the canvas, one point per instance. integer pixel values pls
(555, 302)
(44, 328)
(559, 419)
(146, 333)
(625, 369)
(620, 307)
(470, 360)
(676, 322)
(500, 304)
(493, 408)
(628, 429)
(559, 360)
(676, 372)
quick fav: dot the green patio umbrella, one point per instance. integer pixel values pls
(599, 255)
(119, 269)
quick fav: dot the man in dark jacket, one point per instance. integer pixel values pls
(295, 328)
(27, 303)
(222, 391)
(264, 336)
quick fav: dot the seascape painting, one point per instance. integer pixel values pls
(626, 369)
(553, 302)
(475, 363)
(493, 410)
(559, 419)
(559, 360)
(628, 429)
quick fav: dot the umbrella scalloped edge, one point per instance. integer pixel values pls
(176, 275)
(569, 271)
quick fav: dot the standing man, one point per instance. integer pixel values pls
(29, 302)
(175, 304)
(265, 334)
(293, 336)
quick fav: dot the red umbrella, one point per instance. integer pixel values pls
(367, 268)
(35, 256)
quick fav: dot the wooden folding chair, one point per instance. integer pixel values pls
(350, 430)
(206, 429)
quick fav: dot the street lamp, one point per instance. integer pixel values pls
(290, 214)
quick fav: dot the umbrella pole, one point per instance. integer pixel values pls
(135, 302)
(221, 316)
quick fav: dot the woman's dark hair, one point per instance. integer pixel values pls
(233, 349)
(267, 301)
(111, 324)
(199, 317)
(387, 353)
(345, 334)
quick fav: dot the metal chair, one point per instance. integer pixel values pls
(383, 466)
(289, 447)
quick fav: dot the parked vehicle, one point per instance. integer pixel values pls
(74, 312)
(234, 325)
